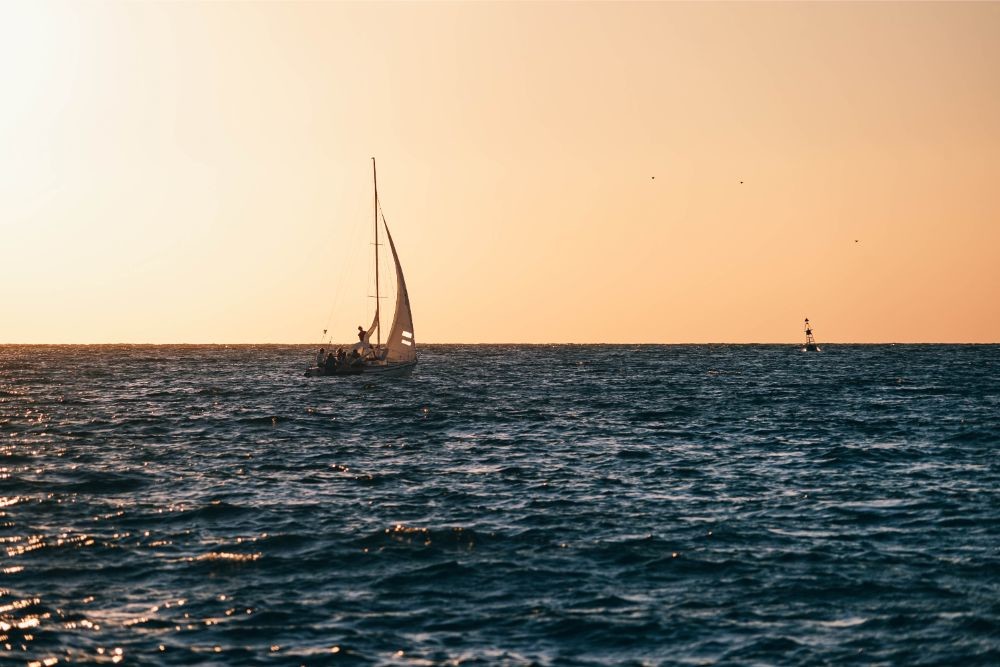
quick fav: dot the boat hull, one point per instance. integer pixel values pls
(386, 370)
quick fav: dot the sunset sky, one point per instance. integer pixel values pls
(552, 172)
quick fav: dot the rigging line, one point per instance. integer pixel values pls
(381, 211)
(395, 289)
(338, 289)
(344, 267)
(378, 309)
(369, 283)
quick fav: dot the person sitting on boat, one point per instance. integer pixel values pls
(356, 358)
(341, 355)
(330, 366)
(320, 357)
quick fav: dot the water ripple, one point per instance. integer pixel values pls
(551, 505)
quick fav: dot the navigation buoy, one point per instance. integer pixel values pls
(811, 345)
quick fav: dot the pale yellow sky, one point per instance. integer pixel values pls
(200, 172)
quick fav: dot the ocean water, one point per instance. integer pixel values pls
(550, 505)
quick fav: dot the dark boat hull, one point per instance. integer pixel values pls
(387, 370)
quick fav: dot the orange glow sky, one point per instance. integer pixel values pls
(200, 172)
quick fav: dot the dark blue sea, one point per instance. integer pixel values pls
(504, 505)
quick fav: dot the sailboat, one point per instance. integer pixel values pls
(811, 345)
(398, 354)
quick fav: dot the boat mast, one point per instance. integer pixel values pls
(378, 301)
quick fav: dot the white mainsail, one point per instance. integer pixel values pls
(401, 345)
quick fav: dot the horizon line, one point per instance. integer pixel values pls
(346, 344)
